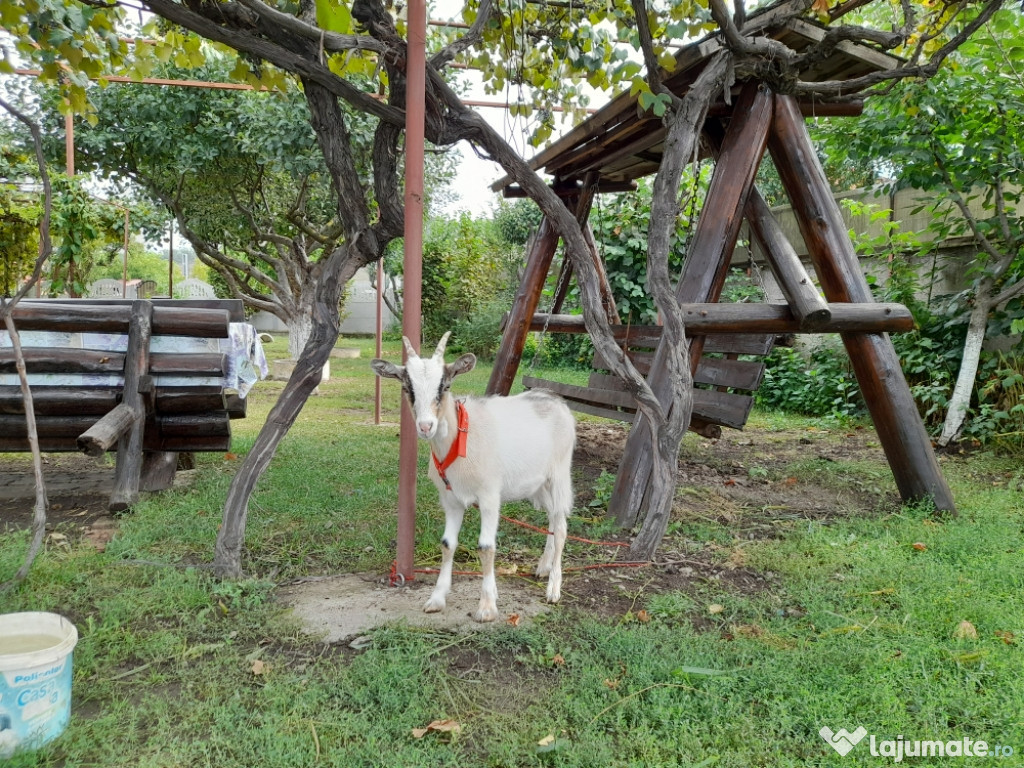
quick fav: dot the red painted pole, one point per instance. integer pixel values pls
(412, 274)
(379, 333)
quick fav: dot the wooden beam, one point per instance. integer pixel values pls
(513, 339)
(707, 319)
(571, 190)
(811, 311)
(874, 359)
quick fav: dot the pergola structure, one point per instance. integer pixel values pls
(622, 142)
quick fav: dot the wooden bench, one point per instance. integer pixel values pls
(92, 394)
(723, 384)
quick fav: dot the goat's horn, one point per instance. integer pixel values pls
(439, 352)
(409, 351)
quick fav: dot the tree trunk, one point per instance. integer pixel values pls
(300, 326)
(960, 400)
(361, 247)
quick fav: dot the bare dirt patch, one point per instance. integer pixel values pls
(78, 490)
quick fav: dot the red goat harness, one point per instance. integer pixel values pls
(458, 444)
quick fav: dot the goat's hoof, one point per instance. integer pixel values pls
(485, 614)
(434, 605)
(554, 594)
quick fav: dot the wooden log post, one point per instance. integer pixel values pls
(704, 273)
(517, 328)
(875, 363)
(128, 469)
(810, 309)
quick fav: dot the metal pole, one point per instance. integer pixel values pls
(379, 332)
(412, 274)
(124, 270)
(69, 144)
(170, 265)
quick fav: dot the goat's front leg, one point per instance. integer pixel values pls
(489, 513)
(453, 514)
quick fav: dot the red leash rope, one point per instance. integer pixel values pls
(396, 578)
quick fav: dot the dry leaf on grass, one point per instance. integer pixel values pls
(716, 608)
(439, 726)
(260, 667)
(920, 546)
(965, 631)
(513, 620)
(549, 739)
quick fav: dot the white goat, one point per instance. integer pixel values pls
(487, 450)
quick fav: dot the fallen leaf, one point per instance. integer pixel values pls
(716, 608)
(513, 620)
(965, 631)
(549, 739)
(612, 684)
(920, 546)
(1006, 637)
(260, 667)
(230, 456)
(791, 481)
(439, 726)
(643, 617)
(558, 660)
(508, 570)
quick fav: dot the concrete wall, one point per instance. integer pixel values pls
(904, 205)
(360, 309)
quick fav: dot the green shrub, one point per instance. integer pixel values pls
(821, 384)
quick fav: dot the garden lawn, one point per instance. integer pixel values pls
(756, 628)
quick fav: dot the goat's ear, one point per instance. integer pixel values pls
(460, 365)
(387, 370)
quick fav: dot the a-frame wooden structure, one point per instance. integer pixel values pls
(621, 143)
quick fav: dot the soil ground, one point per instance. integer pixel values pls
(741, 481)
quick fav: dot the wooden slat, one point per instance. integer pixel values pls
(587, 394)
(759, 344)
(724, 408)
(718, 372)
(742, 344)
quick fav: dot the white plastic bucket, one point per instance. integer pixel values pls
(35, 679)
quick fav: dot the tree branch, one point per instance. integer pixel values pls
(290, 61)
(853, 86)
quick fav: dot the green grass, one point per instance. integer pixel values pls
(855, 626)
